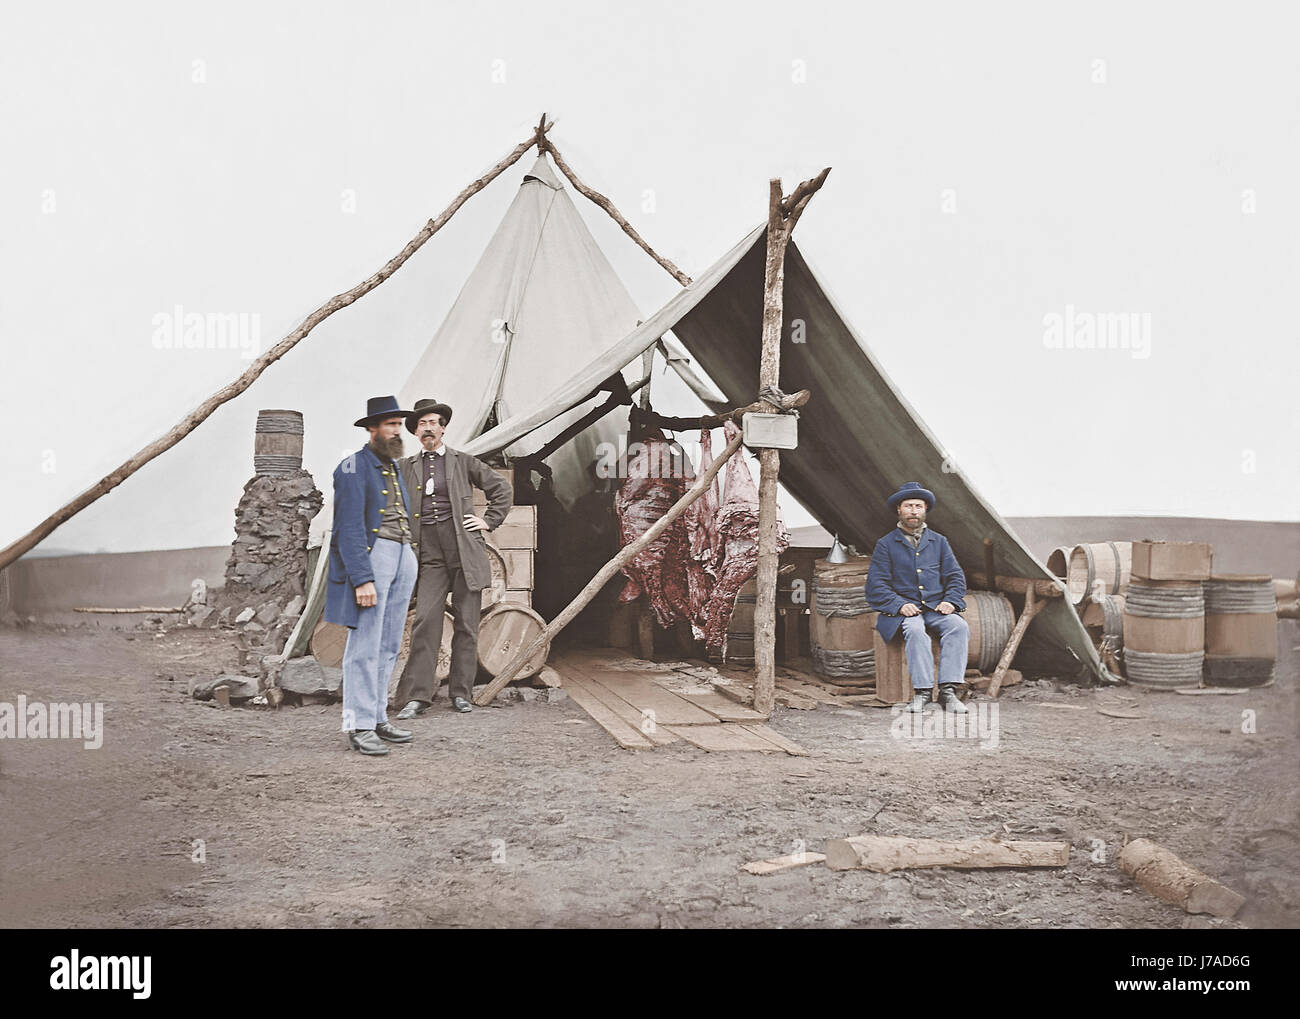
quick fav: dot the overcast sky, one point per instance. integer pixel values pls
(1007, 180)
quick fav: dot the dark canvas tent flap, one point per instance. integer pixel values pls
(858, 438)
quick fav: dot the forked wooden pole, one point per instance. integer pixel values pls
(196, 417)
(783, 214)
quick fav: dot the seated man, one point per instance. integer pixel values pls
(914, 582)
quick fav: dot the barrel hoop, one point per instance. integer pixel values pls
(1248, 597)
(844, 663)
(844, 602)
(1182, 602)
(279, 423)
(1114, 550)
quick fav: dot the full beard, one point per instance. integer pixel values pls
(393, 446)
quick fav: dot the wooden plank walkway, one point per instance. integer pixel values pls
(640, 712)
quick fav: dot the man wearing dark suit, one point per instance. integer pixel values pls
(453, 557)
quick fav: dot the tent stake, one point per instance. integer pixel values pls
(201, 413)
(782, 215)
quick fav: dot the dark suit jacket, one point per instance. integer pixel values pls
(464, 473)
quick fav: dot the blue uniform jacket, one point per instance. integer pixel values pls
(924, 576)
(360, 482)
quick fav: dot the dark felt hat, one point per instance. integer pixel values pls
(911, 490)
(378, 408)
(427, 406)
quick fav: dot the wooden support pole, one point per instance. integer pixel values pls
(1032, 605)
(544, 144)
(1015, 585)
(988, 560)
(681, 424)
(782, 215)
(597, 582)
(229, 392)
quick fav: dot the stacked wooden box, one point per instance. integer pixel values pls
(516, 538)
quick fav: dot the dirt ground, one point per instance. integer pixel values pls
(528, 814)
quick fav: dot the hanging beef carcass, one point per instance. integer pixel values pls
(702, 530)
(658, 474)
(738, 544)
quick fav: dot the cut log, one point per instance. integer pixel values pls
(780, 863)
(1167, 877)
(885, 853)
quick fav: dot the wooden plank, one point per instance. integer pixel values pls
(722, 707)
(649, 728)
(646, 696)
(780, 863)
(805, 689)
(625, 735)
(885, 853)
(723, 736)
(776, 739)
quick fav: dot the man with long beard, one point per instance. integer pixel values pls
(371, 575)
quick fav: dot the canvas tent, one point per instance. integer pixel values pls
(858, 437)
(542, 299)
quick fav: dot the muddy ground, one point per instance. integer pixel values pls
(529, 815)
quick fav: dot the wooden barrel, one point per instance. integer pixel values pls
(1102, 567)
(327, 643)
(1104, 621)
(1164, 633)
(991, 620)
(840, 623)
(738, 649)
(1287, 593)
(504, 629)
(1058, 561)
(1240, 629)
(277, 445)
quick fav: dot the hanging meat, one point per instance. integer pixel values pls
(737, 522)
(702, 529)
(658, 474)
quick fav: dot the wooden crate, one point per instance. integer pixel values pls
(518, 530)
(519, 568)
(480, 500)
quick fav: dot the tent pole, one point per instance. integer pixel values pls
(545, 144)
(201, 413)
(782, 214)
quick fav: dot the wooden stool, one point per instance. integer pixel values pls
(893, 680)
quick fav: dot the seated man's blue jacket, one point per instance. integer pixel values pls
(923, 576)
(359, 494)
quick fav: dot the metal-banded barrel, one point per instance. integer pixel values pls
(1097, 568)
(1240, 629)
(1104, 620)
(991, 619)
(1058, 561)
(840, 622)
(277, 445)
(1164, 633)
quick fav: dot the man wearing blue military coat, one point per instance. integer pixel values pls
(916, 584)
(372, 573)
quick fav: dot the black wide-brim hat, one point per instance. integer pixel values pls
(911, 490)
(427, 406)
(378, 408)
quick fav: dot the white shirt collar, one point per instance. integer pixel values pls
(441, 450)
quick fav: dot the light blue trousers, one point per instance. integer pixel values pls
(954, 636)
(373, 644)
